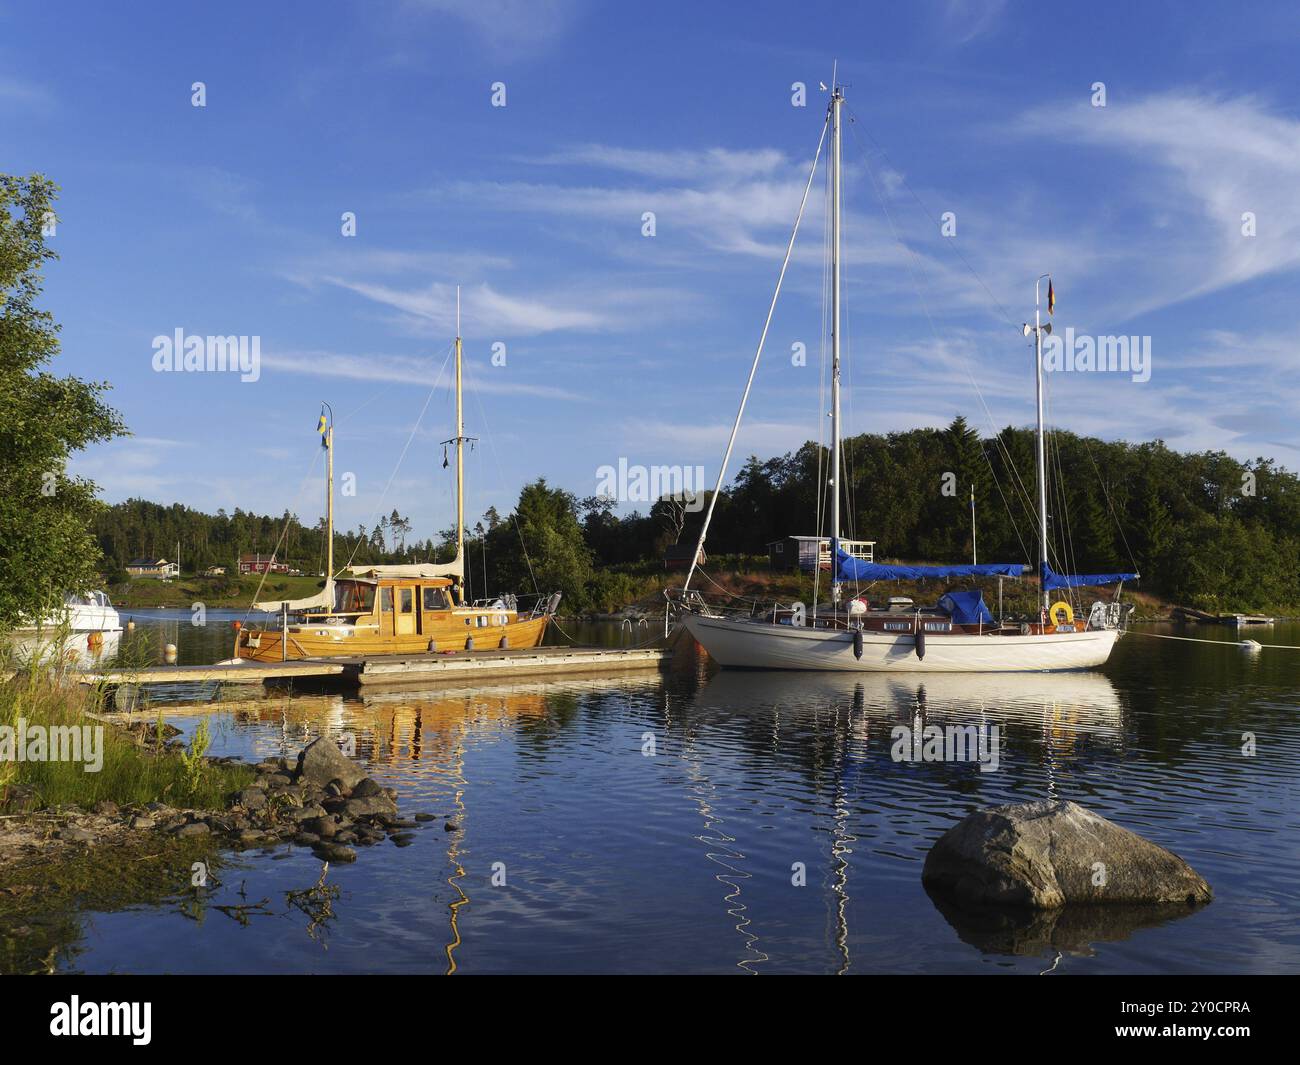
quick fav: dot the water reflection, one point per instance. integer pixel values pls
(690, 857)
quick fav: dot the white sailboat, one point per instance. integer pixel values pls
(957, 635)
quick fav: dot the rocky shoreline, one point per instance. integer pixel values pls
(321, 800)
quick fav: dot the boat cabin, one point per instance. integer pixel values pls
(404, 606)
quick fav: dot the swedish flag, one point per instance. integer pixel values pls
(321, 426)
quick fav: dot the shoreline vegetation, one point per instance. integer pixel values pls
(1206, 531)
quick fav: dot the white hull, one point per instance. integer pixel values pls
(82, 617)
(745, 644)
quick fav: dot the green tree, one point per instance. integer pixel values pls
(45, 513)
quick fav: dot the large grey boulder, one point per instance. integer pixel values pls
(1048, 854)
(321, 761)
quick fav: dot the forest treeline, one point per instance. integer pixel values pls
(1203, 529)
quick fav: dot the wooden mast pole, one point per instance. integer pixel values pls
(460, 445)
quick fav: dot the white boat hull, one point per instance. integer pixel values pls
(745, 644)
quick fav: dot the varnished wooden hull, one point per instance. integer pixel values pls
(264, 645)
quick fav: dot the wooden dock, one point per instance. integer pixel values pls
(394, 669)
(461, 665)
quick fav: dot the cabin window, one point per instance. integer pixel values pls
(483, 621)
(937, 626)
(406, 600)
(436, 599)
(352, 597)
(386, 600)
(898, 626)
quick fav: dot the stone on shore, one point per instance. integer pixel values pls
(1049, 854)
(321, 762)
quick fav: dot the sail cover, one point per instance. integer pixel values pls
(322, 600)
(1053, 580)
(855, 569)
(966, 608)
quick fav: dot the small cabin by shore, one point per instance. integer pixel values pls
(259, 563)
(804, 553)
(153, 567)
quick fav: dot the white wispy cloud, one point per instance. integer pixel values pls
(671, 164)
(30, 95)
(1206, 161)
(400, 369)
(482, 307)
(508, 28)
(965, 20)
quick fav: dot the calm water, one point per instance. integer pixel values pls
(682, 861)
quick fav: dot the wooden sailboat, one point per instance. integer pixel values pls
(395, 609)
(959, 634)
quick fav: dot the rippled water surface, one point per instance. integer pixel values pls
(649, 822)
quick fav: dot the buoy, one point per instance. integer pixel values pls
(469, 643)
(505, 642)
(920, 642)
(857, 643)
(95, 640)
(169, 654)
(236, 625)
(433, 647)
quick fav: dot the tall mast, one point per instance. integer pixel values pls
(837, 102)
(1041, 450)
(329, 500)
(460, 446)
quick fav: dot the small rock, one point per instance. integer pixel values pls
(366, 787)
(140, 822)
(194, 828)
(306, 813)
(324, 827)
(425, 817)
(107, 808)
(403, 839)
(451, 826)
(323, 762)
(335, 852)
(306, 839)
(75, 834)
(369, 806)
(251, 798)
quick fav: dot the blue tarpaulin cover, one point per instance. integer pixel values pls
(966, 608)
(1080, 580)
(854, 569)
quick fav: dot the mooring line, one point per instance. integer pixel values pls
(1252, 644)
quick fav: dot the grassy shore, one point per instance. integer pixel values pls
(130, 772)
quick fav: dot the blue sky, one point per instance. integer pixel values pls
(226, 219)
